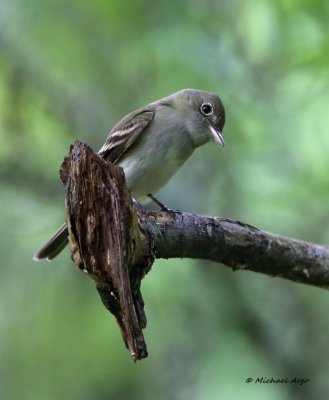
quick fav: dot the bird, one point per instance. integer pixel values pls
(152, 143)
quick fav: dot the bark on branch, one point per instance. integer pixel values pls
(115, 241)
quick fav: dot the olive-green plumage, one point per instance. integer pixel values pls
(153, 142)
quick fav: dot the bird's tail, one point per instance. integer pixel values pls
(53, 246)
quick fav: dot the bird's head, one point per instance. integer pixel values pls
(203, 114)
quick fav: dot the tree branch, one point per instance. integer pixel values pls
(238, 246)
(105, 239)
(114, 241)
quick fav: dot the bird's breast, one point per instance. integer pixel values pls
(154, 160)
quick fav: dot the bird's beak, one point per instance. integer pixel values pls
(217, 135)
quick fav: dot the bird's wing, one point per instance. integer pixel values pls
(125, 133)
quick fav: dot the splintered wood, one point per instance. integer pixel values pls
(106, 239)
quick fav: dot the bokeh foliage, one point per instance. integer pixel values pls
(70, 70)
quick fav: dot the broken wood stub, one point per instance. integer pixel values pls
(106, 239)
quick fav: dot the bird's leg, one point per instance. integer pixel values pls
(137, 204)
(156, 201)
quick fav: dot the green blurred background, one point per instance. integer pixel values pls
(71, 69)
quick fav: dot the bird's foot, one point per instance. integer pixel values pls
(161, 205)
(137, 204)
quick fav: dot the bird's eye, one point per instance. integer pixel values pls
(206, 109)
